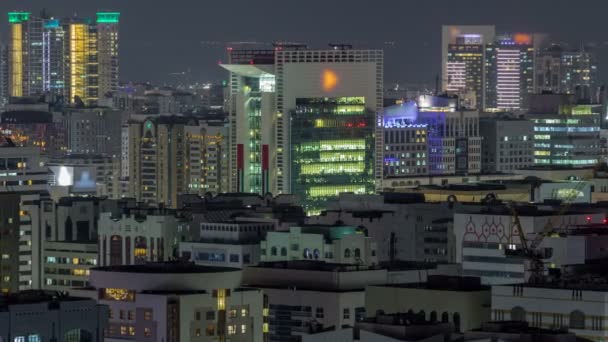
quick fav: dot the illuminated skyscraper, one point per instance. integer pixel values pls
(332, 149)
(509, 67)
(462, 61)
(251, 113)
(53, 62)
(25, 54)
(329, 85)
(335, 94)
(82, 63)
(465, 69)
(107, 31)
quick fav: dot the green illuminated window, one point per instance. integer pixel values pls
(18, 17)
(107, 17)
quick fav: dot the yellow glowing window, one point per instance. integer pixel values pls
(332, 168)
(342, 156)
(335, 190)
(118, 294)
(140, 252)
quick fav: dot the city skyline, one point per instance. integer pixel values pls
(151, 35)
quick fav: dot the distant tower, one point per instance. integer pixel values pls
(25, 54)
(107, 31)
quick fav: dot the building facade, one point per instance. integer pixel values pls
(508, 144)
(269, 86)
(178, 302)
(51, 316)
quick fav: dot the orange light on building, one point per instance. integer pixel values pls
(329, 80)
(522, 39)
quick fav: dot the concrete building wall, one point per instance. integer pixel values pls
(471, 306)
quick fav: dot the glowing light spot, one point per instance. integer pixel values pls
(329, 80)
(522, 39)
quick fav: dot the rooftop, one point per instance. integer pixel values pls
(311, 265)
(165, 268)
(446, 283)
(34, 297)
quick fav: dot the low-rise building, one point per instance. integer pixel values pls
(487, 240)
(67, 264)
(140, 235)
(51, 316)
(462, 301)
(409, 326)
(233, 243)
(576, 307)
(305, 296)
(334, 244)
(177, 302)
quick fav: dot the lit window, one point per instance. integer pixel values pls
(231, 329)
(243, 328)
(244, 312)
(148, 315)
(131, 315)
(147, 332)
(232, 313)
(198, 332)
(132, 331)
(123, 329)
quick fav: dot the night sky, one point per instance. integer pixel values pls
(164, 37)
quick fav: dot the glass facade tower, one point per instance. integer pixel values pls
(332, 149)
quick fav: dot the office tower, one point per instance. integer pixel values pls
(509, 67)
(251, 109)
(267, 87)
(107, 31)
(465, 70)
(342, 88)
(565, 133)
(453, 143)
(567, 71)
(462, 49)
(82, 62)
(25, 54)
(332, 144)
(53, 52)
(507, 145)
(580, 75)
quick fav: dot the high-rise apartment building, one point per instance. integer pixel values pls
(25, 54)
(74, 57)
(172, 155)
(4, 95)
(53, 52)
(274, 96)
(107, 34)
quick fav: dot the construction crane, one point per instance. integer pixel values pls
(529, 249)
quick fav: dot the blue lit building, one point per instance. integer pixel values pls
(430, 137)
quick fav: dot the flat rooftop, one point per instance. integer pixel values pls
(165, 268)
(34, 297)
(445, 283)
(311, 265)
